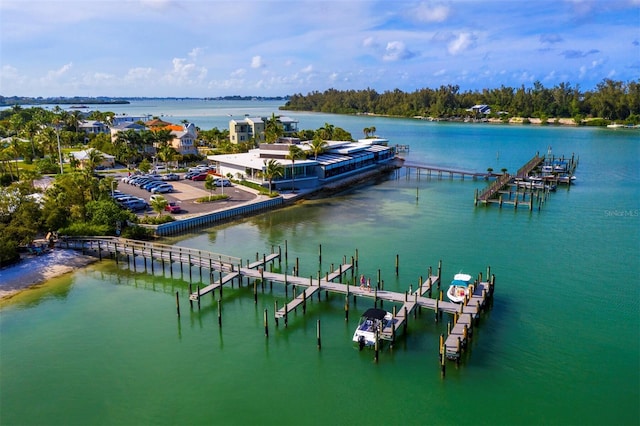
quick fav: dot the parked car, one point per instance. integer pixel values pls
(135, 205)
(161, 189)
(223, 182)
(173, 207)
(171, 176)
(201, 176)
(149, 185)
(124, 198)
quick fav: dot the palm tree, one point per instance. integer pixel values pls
(166, 153)
(295, 152)
(210, 184)
(366, 131)
(489, 171)
(326, 132)
(158, 204)
(318, 146)
(272, 129)
(94, 159)
(272, 169)
(30, 129)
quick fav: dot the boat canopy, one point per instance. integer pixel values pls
(462, 277)
(375, 313)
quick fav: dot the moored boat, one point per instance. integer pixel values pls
(371, 321)
(459, 287)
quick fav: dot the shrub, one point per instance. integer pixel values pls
(47, 166)
(83, 228)
(262, 189)
(157, 220)
(136, 232)
(212, 198)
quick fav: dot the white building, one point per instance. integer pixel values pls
(341, 159)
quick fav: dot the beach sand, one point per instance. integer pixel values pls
(33, 270)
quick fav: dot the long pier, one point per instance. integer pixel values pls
(428, 171)
(231, 269)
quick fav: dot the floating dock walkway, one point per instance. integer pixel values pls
(230, 269)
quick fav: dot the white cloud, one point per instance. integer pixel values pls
(427, 12)
(369, 42)
(440, 72)
(195, 52)
(139, 74)
(462, 42)
(61, 71)
(395, 51)
(307, 69)
(239, 72)
(185, 73)
(257, 62)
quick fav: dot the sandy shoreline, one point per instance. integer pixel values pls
(34, 270)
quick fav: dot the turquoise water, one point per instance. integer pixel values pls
(559, 346)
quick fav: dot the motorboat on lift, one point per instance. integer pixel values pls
(372, 320)
(459, 287)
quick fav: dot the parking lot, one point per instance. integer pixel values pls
(186, 192)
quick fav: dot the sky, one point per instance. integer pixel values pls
(210, 48)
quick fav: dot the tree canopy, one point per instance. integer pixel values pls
(610, 100)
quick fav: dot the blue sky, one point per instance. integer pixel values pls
(198, 48)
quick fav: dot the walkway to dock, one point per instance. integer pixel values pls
(232, 268)
(438, 171)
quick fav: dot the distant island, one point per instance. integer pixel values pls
(75, 100)
(104, 100)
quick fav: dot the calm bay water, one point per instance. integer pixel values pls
(560, 346)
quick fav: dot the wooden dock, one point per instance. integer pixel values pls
(231, 268)
(518, 190)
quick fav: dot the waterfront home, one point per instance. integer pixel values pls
(128, 119)
(184, 139)
(253, 128)
(340, 159)
(93, 127)
(184, 136)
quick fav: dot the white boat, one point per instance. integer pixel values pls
(373, 319)
(459, 287)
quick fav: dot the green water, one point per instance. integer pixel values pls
(560, 345)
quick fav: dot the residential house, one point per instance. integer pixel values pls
(252, 128)
(480, 109)
(108, 161)
(128, 119)
(184, 140)
(93, 127)
(246, 129)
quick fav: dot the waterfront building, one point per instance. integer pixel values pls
(340, 159)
